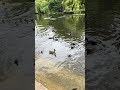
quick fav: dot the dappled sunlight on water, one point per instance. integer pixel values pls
(68, 64)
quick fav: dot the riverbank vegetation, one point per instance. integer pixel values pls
(59, 6)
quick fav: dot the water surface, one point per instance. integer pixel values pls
(66, 69)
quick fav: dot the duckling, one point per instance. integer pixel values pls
(55, 38)
(41, 52)
(69, 55)
(72, 47)
(91, 42)
(3, 21)
(52, 52)
(33, 29)
(88, 51)
(72, 43)
(16, 62)
(74, 89)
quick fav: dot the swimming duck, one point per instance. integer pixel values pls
(90, 42)
(52, 52)
(51, 37)
(3, 21)
(72, 47)
(72, 43)
(41, 52)
(69, 55)
(33, 29)
(89, 51)
(16, 62)
(56, 39)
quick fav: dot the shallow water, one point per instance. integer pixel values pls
(68, 32)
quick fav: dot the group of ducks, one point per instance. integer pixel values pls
(51, 52)
(54, 51)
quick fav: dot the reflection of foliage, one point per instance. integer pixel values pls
(49, 6)
(69, 24)
(63, 26)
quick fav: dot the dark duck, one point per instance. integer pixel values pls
(16, 62)
(53, 52)
(90, 42)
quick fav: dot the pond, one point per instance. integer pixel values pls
(103, 27)
(62, 69)
(14, 31)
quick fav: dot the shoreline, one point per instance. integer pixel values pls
(39, 86)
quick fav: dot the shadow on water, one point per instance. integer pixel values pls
(65, 34)
(12, 15)
(102, 64)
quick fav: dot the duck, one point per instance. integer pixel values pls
(56, 39)
(3, 21)
(72, 47)
(52, 52)
(72, 43)
(89, 51)
(69, 55)
(33, 29)
(41, 52)
(51, 37)
(90, 42)
(16, 62)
